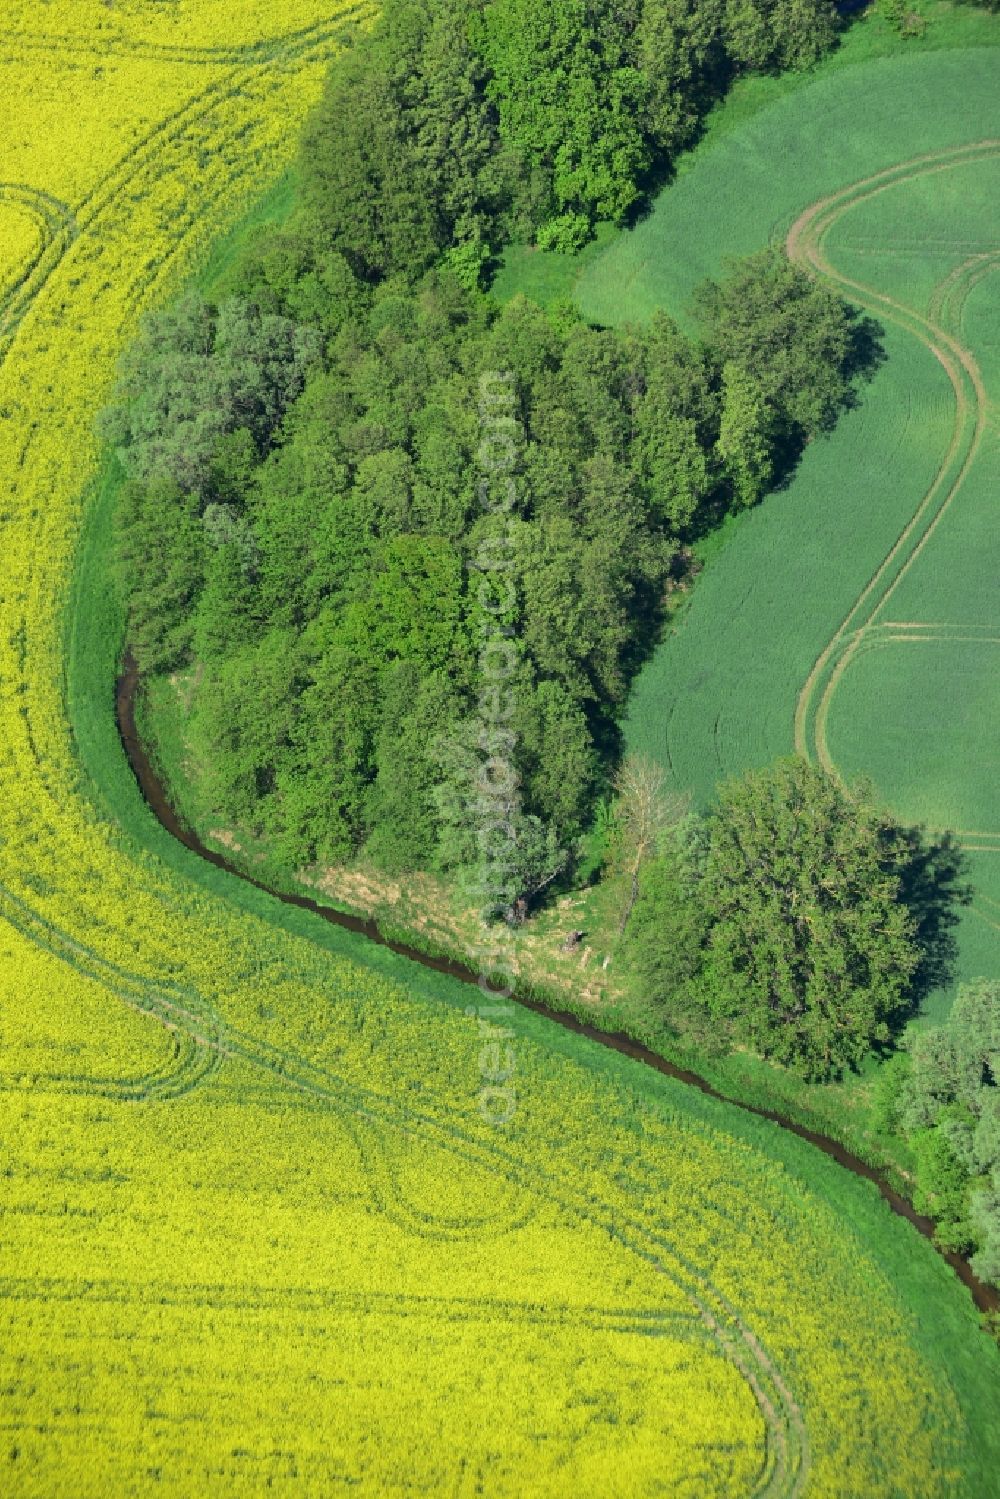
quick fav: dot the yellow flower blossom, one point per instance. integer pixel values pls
(254, 1235)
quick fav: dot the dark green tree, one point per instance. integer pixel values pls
(571, 101)
(162, 547)
(676, 417)
(794, 338)
(415, 709)
(746, 435)
(396, 157)
(811, 950)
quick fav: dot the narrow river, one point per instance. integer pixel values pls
(987, 1298)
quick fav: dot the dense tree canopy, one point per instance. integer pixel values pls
(796, 916)
(460, 124)
(303, 512)
(200, 375)
(401, 158)
(668, 926)
(306, 514)
(786, 341)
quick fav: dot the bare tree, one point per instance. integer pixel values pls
(644, 807)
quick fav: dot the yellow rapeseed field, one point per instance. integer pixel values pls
(255, 1234)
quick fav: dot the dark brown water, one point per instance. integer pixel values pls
(987, 1298)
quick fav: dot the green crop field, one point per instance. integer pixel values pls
(282, 1212)
(853, 616)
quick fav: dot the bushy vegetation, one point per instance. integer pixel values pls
(307, 528)
(303, 467)
(943, 1094)
(797, 918)
(916, 706)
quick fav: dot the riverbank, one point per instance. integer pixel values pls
(842, 1112)
(986, 1298)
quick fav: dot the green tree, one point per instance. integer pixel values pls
(675, 414)
(949, 1106)
(161, 545)
(499, 854)
(224, 619)
(803, 31)
(984, 1216)
(555, 754)
(749, 39)
(395, 157)
(323, 778)
(942, 1189)
(415, 610)
(401, 810)
(772, 34)
(679, 51)
(243, 716)
(536, 858)
(197, 373)
(746, 437)
(958, 1062)
(810, 951)
(570, 100)
(797, 338)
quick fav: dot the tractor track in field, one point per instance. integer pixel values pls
(96, 214)
(57, 228)
(366, 1114)
(786, 1462)
(364, 1110)
(394, 1304)
(203, 1043)
(937, 331)
(261, 53)
(65, 224)
(961, 280)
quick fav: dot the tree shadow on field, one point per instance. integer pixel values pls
(719, 73)
(934, 888)
(866, 354)
(864, 358)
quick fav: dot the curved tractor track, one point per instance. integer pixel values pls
(866, 625)
(370, 1116)
(261, 53)
(203, 1042)
(62, 224)
(57, 229)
